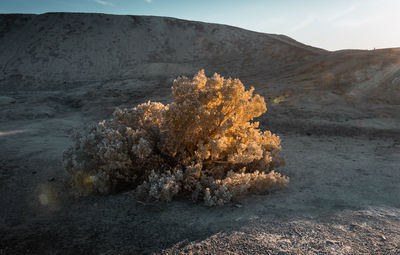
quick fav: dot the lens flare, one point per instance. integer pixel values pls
(46, 195)
(43, 199)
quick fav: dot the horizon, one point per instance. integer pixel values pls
(341, 25)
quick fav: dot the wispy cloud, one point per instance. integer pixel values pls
(356, 23)
(105, 3)
(306, 22)
(148, 1)
(342, 13)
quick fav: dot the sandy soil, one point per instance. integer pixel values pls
(343, 197)
(337, 113)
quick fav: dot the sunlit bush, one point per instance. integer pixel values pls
(203, 145)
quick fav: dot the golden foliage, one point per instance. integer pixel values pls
(204, 143)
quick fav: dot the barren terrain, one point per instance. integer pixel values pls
(337, 113)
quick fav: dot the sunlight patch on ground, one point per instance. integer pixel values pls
(280, 99)
(11, 132)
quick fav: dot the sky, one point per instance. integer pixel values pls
(331, 25)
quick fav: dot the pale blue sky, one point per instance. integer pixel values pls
(332, 25)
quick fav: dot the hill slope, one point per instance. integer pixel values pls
(75, 47)
(57, 48)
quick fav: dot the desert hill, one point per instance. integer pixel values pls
(71, 47)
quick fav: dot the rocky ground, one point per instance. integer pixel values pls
(343, 196)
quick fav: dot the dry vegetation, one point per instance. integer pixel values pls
(203, 144)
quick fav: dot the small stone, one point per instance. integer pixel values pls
(329, 242)
(238, 205)
(383, 238)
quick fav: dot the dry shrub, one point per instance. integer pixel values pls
(203, 144)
